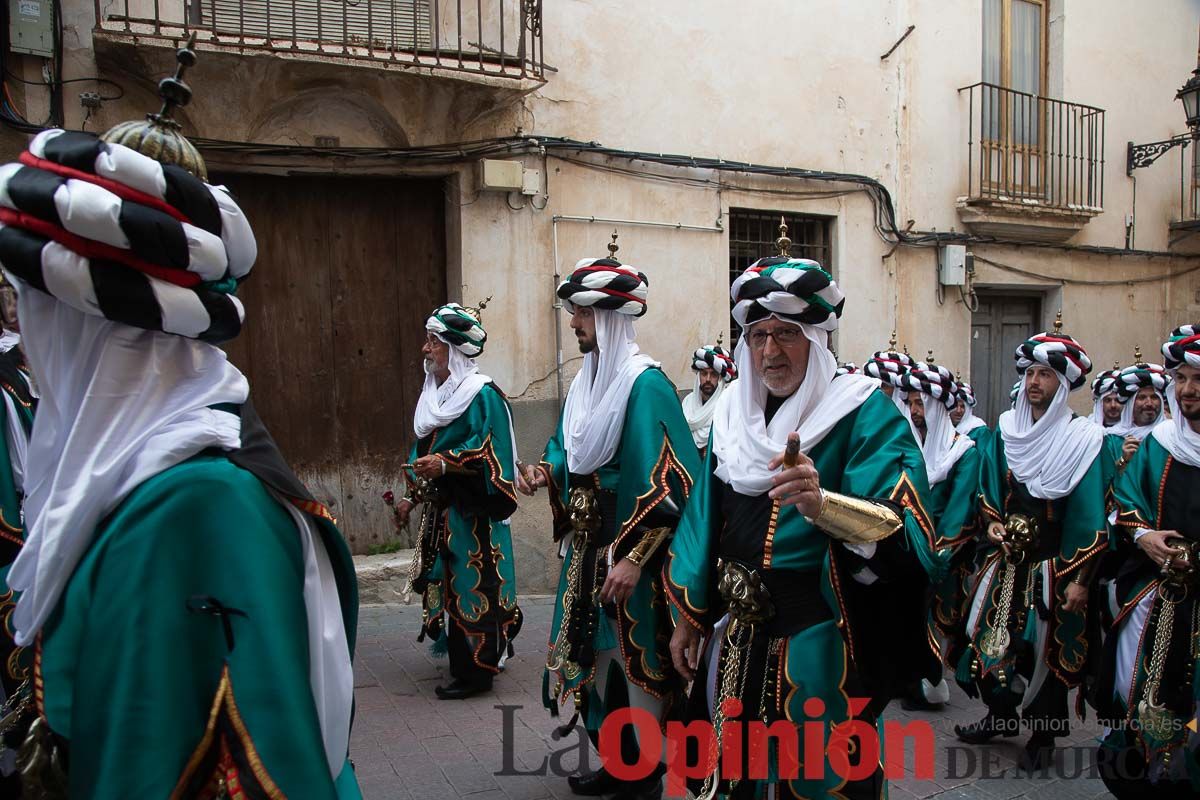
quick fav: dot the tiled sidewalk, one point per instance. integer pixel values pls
(408, 744)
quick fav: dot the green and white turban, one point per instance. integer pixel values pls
(457, 327)
(717, 359)
(792, 289)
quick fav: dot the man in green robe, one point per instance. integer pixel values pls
(618, 469)
(1149, 688)
(1042, 499)
(1141, 391)
(714, 370)
(465, 464)
(797, 576)
(963, 415)
(952, 468)
(192, 607)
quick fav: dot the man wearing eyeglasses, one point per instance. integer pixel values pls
(792, 577)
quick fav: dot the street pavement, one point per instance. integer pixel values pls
(408, 744)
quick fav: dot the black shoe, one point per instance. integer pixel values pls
(461, 690)
(593, 784)
(987, 729)
(1039, 753)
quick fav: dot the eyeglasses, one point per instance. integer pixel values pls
(782, 336)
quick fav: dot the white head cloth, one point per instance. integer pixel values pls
(1097, 415)
(118, 406)
(1176, 434)
(1126, 427)
(699, 412)
(742, 441)
(1052, 455)
(942, 446)
(9, 340)
(969, 421)
(594, 414)
(438, 406)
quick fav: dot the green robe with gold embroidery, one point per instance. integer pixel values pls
(469, 574)
(953, 506)
(139, 683)
(1155, 492)
(844, 627)
(1073, 532)
(643, 487)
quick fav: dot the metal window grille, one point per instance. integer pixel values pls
(752, 235)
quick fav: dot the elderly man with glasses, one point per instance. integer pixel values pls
(795, 576)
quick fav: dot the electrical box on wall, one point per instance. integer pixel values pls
(952, 264)
(31, 27)
(498, 175)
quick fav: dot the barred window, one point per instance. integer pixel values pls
(753, 233)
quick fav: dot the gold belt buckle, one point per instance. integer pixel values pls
(584, 513)
(1021, 535)
(744, 593)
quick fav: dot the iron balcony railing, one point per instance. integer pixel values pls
(1034, 150)
(500, 38)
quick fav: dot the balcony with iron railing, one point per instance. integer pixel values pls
(1035, 165)
(500, 39)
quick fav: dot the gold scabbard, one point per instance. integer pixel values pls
(648, 545)
(854, 520)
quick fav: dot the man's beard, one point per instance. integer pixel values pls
(586, 345)
(1193, 414)
(707, 392)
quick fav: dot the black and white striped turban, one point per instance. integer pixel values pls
(114, 233)
(1183, 348)
(792, 289)
(1137, 376)
(717, 359)
(846, 368)
(458, 328)
(1059, 352)
(605, 283)
(932, 380)
(1104, 383)
(886, 365)
(967, 394)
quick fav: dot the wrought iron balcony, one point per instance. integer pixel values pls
(496, 38)
(1035, 165)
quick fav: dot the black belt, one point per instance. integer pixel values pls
(796, 601)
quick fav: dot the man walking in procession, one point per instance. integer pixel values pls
(714, 370)
(797, 579)
(194, 608)
(1148, 692)
(464, 462)
(1042, 500)
(619, 470)
(952, 468)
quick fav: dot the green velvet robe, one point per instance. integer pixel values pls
(650, 475)
(145, 693)
(472, 578)
(954, 508)
(873, 643)
(1084, 538)
(1140, 493)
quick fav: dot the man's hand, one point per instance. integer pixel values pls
(533, 479)
(429, 467)
(1076, 597)
(403, 510)
(1129, 447)
(1159, 545)
(685, 648)
(995, 532)
(621, 580)
(799, 486)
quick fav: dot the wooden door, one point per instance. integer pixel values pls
(999, 325)
(347, 271)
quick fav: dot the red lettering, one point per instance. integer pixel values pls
(921, 733)
(649, 743)
(678, 768)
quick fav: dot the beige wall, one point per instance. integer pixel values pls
(783, 83)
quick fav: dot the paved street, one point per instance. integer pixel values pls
(408, 744)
